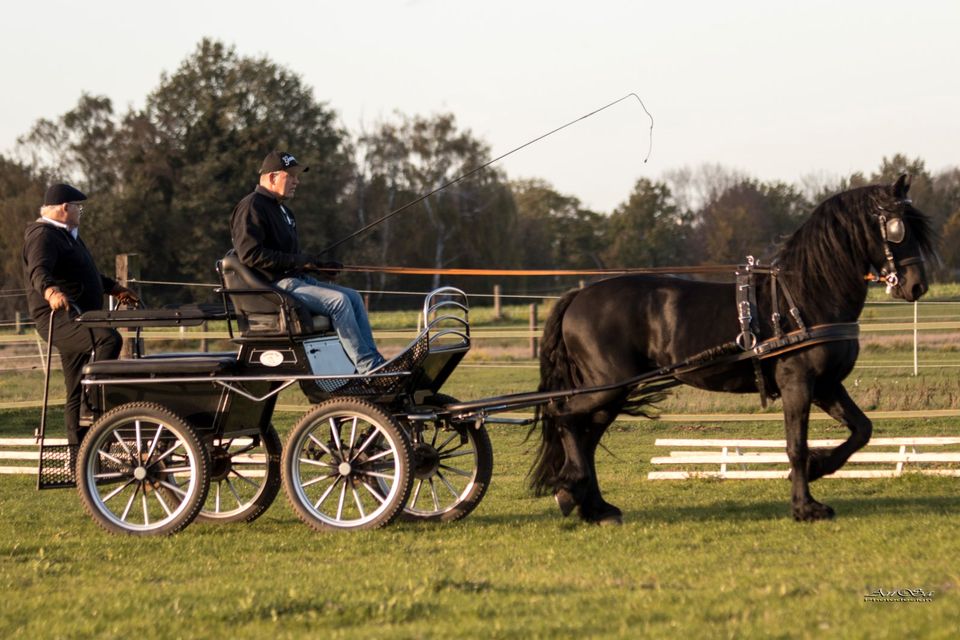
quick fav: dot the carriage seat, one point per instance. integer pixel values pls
(209, 364)
(264, 310)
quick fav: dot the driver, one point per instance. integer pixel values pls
(264, 233)
(61, 276)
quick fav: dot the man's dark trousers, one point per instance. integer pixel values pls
(76, 343)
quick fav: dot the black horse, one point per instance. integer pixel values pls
(620, 328)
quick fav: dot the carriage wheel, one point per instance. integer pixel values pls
(244, 478)
(452, 463)
(346, 465)
(142, 471)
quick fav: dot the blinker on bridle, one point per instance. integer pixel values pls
(892, 230)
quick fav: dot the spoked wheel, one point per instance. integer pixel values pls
(453, 463)
(346, 465)
(244, 477)
(143, 471)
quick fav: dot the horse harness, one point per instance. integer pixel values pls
(892, 230)
(746, 345)
(753, 348)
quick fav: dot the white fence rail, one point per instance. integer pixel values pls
(19, 456)
(886, 458)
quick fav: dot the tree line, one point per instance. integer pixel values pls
(164, 178)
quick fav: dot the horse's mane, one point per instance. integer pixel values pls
(825, 257)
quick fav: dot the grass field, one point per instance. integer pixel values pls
(694, 559)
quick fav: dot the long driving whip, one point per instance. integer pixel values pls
(490, 162)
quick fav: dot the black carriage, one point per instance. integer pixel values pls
(373, 447)
(175, 437)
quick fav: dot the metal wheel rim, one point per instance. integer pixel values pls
(449, 484)
(134, 473)
(345, 500)
(243, 483)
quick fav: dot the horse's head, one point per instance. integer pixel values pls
(903, 238)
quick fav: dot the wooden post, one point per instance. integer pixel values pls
(497, 310)
(128, 275)
(916, 338)
(128, 271)
(581, 284)
(203, 341)
(18, 322)
(534, 342)
(43, 353)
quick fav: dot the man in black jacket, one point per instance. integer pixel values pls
(62, 279)
(265, 238)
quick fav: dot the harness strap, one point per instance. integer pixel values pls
(803, 338)
(775, 305)
(770, 348)
(746, 306)
(794, 311)
(755, 328)
(761, 383)
(800, 339)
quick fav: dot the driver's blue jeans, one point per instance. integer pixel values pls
(345, 308)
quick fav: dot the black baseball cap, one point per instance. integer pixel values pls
(61, 193)
(281, 161)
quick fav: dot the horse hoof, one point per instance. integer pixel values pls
(565, 501)
(614, 520)
(812, 512)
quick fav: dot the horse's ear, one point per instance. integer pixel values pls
(901, 186)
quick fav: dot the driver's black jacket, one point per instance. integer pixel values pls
(53, 258)
(265, 236)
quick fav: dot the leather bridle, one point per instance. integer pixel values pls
(888, 273)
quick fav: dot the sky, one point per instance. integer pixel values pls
(778, 90)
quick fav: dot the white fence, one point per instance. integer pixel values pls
(21, 455)
(731, 459)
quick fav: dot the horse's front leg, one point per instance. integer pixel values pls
(839, 406)
(796, 412)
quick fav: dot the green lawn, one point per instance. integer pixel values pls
(695, 559)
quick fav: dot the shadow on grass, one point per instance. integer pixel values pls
(508, 519)
(19, 423)
(730, 510)
(874, 506)
(899, 505)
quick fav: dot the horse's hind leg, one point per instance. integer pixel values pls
(839, 406)
(570, 486)
(575, 485)
(796, 412)
(593, 508)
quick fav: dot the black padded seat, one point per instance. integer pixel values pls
(188, 316)
(263, 309)
(142, 367)
(189, 354)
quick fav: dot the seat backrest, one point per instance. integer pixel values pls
(263, 309)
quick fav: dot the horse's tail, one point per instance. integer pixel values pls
(556, 373)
